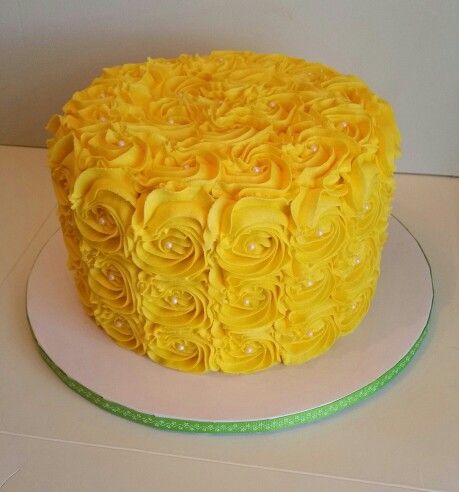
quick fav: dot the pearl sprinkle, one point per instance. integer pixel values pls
(102, 220)
(248, 349)
(251, 247)
(313, 148)
(256, 169)
(121, 143)
(119, 323)
(168, 245)
(174, 300)
(246, 301)
(181, 347)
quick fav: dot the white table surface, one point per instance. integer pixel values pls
(406, 437)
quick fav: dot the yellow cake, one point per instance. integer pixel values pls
(224, 212)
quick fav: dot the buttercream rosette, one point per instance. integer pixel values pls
(224, 212)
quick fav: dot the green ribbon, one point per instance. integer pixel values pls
(253, 426)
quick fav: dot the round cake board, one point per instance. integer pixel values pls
(133, 387)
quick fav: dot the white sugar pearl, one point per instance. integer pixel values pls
(119, 323)
(357, 260)
(310, 283)
(353, 306)
(343, 124)
(251, 247)
(111, 276)
(248, 349)
(221, 60)
(174, 300)
(313, 148)
(186, 166)
(168, 245)
(171, 121)
(246, 301)
(102, 94)
(272, 104)
(310, 334)
(366, 207)
(256, 169)
(121, 143)
(102, 118)
(320, 232)
(102, 220)
(180, 347)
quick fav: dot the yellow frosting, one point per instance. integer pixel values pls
(224, 212)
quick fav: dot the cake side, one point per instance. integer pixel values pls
(225, 212)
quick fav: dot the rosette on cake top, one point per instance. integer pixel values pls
(224, 212)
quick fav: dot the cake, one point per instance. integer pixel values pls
(224, 212)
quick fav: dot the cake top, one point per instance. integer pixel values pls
(235, 124)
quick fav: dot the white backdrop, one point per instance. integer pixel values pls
(407, 51)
